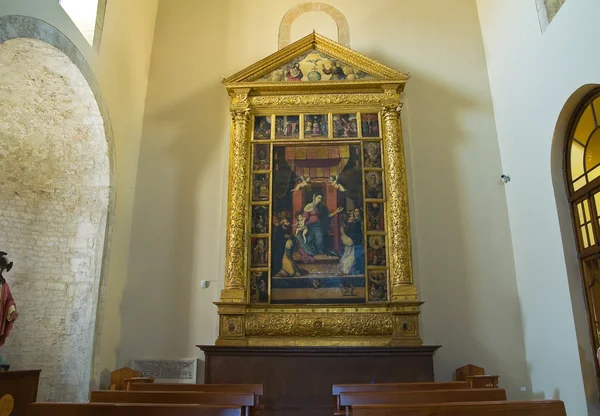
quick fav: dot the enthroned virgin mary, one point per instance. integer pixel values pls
(318, 223)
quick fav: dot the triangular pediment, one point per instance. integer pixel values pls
(313, 59)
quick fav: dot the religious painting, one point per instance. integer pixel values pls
(344, 125)
(316, 126)
(372, 154)
(315, 66)
(259, 252)
(378, 287)
(262, 127)
(260, 219)
(287, 127)
(259, 287)
(369, 124)
(262, 157)
(376, 255)
(260, 187)
(375, 216)
(318, 253)
(374, 185)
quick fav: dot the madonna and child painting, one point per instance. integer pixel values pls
(318, 247)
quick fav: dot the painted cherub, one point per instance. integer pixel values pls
(333, 180)
(302, 182)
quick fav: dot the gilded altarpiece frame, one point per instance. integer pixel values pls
(318, 233)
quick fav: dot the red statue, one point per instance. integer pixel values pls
(8, 309)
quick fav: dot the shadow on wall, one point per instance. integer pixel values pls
(457, 202)
(171, 198)
(559, 142)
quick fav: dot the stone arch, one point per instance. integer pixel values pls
(285, 27)
(38, 37)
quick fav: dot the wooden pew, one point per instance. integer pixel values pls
(350, 388)
(130, 409)
(256, 389)
(501, 408)
(245, 400)
(347, 400)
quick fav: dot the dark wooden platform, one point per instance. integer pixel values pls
(298, 380)
(22, 386)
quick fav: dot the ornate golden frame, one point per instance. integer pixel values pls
(245, 324)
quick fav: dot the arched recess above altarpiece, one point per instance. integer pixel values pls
(318, 233)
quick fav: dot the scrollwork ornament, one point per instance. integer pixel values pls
(311, 325)
(400, 250)
(316, 100)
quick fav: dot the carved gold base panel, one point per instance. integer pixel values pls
(395, 324)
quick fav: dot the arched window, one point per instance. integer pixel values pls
(582, 173)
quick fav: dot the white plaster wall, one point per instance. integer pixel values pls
(532, 77)
(54, 198)
(121, 68)
(462, 246)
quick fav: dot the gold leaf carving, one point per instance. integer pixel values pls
(313, 325)
(235, 272)
(400, 251)
(316, 100)
(406, 325)
(231, 325)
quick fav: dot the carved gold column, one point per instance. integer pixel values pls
(239, 171)
(402, 287)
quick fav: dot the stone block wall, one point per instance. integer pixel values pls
(54, 198)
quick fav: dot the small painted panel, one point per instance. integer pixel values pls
(262, 127)
(315, 66)
(375, 216)
(372, 154)
(287, 127)
(378, 286)
(260, 219)
(373, 185)
(259, 252)
(376, 251)
(260, 187)
(316, 126)
(344, 125)
(259, 287)
(262, 157)
(370, 124)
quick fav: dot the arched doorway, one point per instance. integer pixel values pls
(56, 193)
(582, 176)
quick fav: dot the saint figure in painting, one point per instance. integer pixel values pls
(336, 72)
(294, 74)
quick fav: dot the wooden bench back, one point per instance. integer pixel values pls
(256, 389)
(182, 397)
(415, 397)
(348, 388)
(502, 408)
(138, 409)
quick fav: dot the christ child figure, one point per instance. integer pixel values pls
(301, 227)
